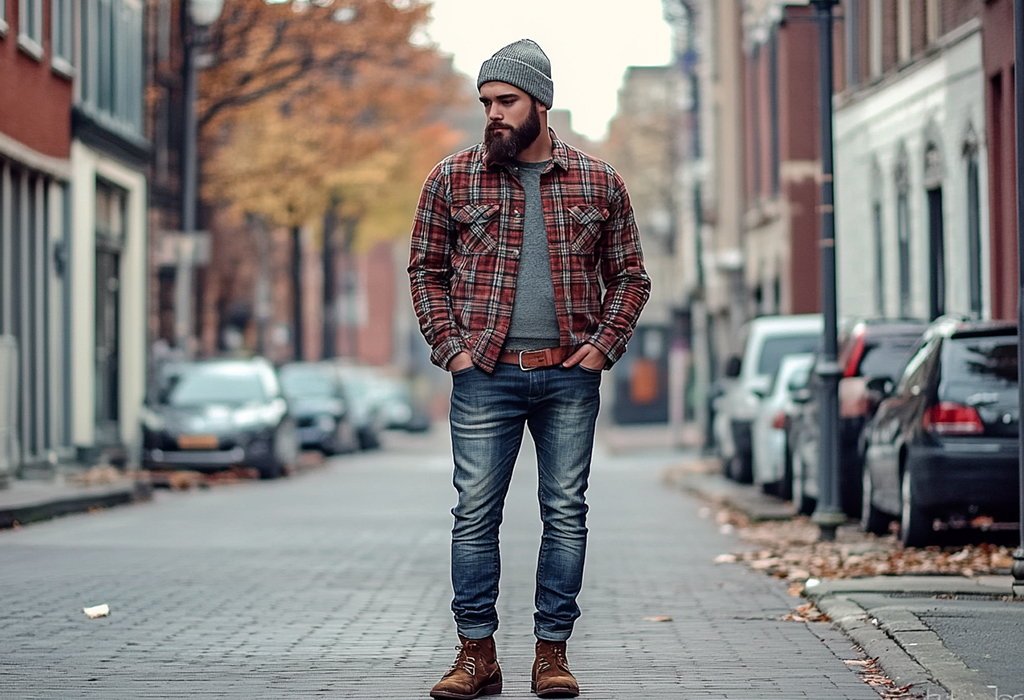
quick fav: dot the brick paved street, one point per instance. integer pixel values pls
(334, 584)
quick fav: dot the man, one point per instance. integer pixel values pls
(512, 242)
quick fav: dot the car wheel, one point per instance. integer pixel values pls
(741, 469)
(871, 519)
(915, 528)
(784, 487)
(285, 453)
(801, 501)
(273, 470)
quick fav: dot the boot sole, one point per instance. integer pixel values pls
(492, 689)
(553, 692)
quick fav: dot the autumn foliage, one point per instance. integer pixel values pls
(307, 106)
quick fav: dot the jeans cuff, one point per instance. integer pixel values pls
(547, 636)
(477, 631)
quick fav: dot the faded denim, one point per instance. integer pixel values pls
(488, 414)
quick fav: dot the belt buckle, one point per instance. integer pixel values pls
(525, 369)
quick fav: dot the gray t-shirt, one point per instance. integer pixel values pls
(534, 322)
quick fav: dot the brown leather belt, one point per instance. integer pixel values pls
(536, 359)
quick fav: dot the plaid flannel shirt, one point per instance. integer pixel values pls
(467, 238)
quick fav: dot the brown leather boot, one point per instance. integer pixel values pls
(475, 672)
(551, 675)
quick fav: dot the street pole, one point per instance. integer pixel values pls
(189, 179)
(196, 17)
(1018, 22)
(828, 515)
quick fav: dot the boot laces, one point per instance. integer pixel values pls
(559, 661)
(464, 661)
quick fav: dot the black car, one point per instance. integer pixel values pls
(867, 349)
(941, 451)
(321, 408)
(216, 414)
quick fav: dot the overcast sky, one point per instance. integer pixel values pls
(590, 44)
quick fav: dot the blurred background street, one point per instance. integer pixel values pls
(205, 211)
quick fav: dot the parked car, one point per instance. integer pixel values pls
(318, 401)
(398, 407)
(942, 448)
(771, 453)
(361, 384)
(867, 349)
(215, 414)
(767, 340)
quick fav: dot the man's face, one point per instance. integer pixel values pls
(513, 120)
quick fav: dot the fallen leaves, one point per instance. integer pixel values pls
(806, 613)
(872, 674)
(791, 550)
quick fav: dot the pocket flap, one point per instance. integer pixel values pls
(475, 212)
(588, 215)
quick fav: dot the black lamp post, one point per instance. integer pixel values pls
(200, 15)
(1018, 22)
(828, 515)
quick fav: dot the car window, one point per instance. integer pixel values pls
(977, 365)
(917, 367)
(777, 347)
(308, 382)
(201, 385)
(885, 357)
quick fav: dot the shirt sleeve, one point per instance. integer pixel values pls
(627, 285)
(430, 270)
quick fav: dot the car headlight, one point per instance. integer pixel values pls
(252, 416)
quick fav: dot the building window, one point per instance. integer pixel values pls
(879, 234)
(773, 96)
(973, 224)
(903, 33)
(932, 21)
(30, 26)
(903, 230)
(29, 298)
(875, 42)
(112, 63)
(852, 24)
(61, 37)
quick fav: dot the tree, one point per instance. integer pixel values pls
(297, 104)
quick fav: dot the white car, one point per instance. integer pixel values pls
(767, 340)
(769, 430)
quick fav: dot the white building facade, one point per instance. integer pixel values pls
(911, 173)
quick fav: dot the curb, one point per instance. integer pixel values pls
(93, 497)
(863, 611)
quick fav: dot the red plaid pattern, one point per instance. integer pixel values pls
(466, 241)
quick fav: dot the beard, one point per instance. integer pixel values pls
(504, 144)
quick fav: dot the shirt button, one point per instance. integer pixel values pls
(518, 214)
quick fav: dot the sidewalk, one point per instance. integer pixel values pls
(936, 637)
(31, 500)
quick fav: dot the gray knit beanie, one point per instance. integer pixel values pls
(522, 64)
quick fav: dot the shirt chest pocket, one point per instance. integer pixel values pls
(587, 222)
(477, 228)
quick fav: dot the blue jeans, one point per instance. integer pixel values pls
(488, 413)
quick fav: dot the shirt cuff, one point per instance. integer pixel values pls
(443, 353)
(609, 342)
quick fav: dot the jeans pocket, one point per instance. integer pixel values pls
(587, 370)
(463, 371)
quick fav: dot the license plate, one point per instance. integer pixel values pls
(198, 442)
